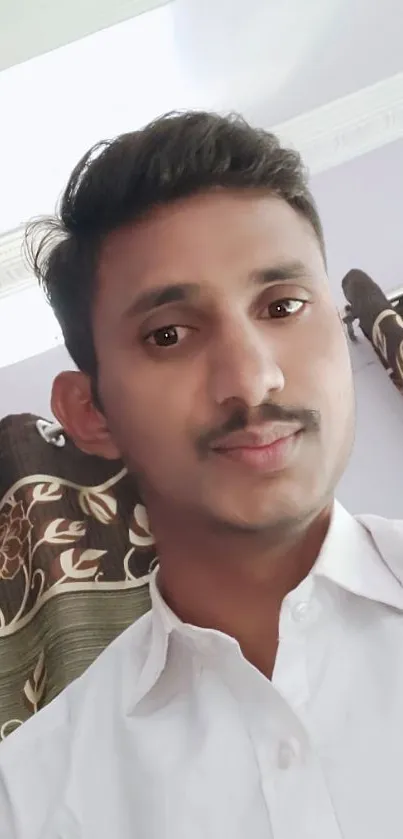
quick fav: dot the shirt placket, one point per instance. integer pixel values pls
(292, 781)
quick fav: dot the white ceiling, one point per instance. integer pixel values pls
(32, 27)
(270, 59)
(301, 66)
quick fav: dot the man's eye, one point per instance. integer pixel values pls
(167, 336)
(284, 308)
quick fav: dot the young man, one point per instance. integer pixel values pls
(262, 696)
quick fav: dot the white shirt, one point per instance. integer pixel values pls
(172, 734)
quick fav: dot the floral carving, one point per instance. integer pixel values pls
(15, 530)
(55, 536)
(139, 532)
(101, 505)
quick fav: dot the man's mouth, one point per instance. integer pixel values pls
(266, 449)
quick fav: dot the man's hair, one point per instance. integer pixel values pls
(120, 180)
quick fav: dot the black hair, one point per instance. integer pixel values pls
(120, 180)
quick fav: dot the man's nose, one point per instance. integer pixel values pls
(244, 366)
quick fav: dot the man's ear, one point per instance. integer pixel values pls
(73, 406)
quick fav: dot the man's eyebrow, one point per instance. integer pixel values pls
(160, 296)
(154, 298)
(279, 273)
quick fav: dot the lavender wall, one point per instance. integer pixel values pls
(25, 386)
(361, 204)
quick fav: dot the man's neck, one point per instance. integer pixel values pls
(236, 584)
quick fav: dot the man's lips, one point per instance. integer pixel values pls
(256, 438)
(267, 450)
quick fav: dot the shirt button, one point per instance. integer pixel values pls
(287, 753)
(300, 611)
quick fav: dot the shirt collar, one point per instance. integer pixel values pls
(357, 555)
(166, 617)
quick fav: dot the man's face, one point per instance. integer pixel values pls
(223, 367)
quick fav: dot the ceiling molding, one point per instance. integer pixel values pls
(349, 127)
(326, 137)
(15, 274)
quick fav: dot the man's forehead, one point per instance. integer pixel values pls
(185, 243)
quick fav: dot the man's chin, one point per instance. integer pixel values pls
(280, 507)
(258, 521)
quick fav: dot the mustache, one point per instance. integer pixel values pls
(241, 419)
